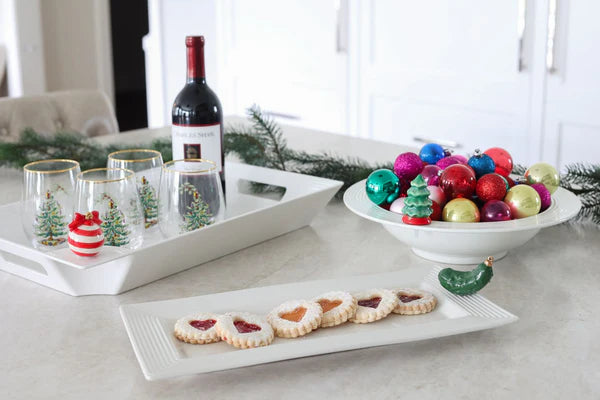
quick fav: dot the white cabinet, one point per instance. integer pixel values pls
(464, 73)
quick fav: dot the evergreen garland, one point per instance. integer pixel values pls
(263, 145)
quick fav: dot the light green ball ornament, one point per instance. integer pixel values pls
(543, 173)
(383, 186)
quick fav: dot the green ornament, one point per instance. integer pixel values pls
(383, 186)
(467, 282)
(417, 205)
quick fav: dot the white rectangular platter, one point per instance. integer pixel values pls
(161, 355)
(250, 219)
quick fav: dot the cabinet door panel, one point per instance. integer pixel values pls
(447, 70)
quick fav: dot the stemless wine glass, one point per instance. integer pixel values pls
(190, 196)
(47, 201)
(112, 192)
(146, 165)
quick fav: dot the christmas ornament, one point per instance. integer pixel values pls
(436, 215)
(431, 153)
(437, 194)
(504, 179)
(417, 206)
(543, 173)
(447, 161)
(85, 234)
(467, 282)
(461, 159)
(491, 187)
(431, 174)
(460, 210)
(545, 196)
(523, 201)
(382, 186)
(502, 160)
(397, 205)
(482, 164)
(495, 210)
(458, 181)
(407, 166)
(510, 181)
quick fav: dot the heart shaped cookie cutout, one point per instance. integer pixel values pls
(295, 315)
(203, 325)
(328, 305)
(406, 298)
(373, 302)
(245, 327)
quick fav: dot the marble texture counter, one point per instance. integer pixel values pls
(56, 346)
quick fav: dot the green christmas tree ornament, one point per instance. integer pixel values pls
(467, 282)
(383, 186)
(417, 205)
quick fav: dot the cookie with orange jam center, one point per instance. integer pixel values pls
(337, 307)
(295, 318)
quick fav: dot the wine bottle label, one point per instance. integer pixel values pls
(198, 141)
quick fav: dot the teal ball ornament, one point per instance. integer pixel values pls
(383, 186)
(481, 163)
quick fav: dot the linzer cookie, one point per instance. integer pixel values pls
(244, 330)
(197, 329)
(337, 307)
(295, 318)
(414, 301)
(373, 305)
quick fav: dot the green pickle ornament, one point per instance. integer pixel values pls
(467, 282)
(383, 186)
(417, 205)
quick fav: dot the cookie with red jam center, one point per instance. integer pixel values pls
(244, 330)
(414, 301)
(373, 305)
(197, 328)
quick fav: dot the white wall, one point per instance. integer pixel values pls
(77, 45)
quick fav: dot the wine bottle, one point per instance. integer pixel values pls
(197, 116)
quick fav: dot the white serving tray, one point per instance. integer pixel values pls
(161, 355)
(251, 219)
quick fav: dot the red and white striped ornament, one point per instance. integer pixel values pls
(85, 234)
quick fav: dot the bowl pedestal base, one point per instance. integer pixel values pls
(454, 259)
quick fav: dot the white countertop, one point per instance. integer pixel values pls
(56, 346)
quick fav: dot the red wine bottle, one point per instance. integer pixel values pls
(197, 116)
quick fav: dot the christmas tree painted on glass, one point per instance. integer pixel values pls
(417, 205)
(50, 224)
(116, 232)
(149, 203)
(198, 215)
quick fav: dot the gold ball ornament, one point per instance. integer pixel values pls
(543, 173)
(461, 210)
(523, 200)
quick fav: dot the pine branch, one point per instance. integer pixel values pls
(271, 132)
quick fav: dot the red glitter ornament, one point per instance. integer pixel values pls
(502, 160)
(490, 187)
(436, 215)
(458, 180)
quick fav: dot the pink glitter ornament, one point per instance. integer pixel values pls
(437, 194)
(407, 166)
(545, 195)
(447, 161)
(397, 205)
(461, 159)
(431, 175)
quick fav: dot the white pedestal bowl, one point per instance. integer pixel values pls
(463, 243)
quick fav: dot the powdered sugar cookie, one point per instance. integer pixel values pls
(295, 318)
(197, 328)
(244, 330)
(337, 307)
(373, 305)
(414, 301)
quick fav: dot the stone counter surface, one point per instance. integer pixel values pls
(56, 346)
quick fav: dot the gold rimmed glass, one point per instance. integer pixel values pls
(113, 193)
(47, 201)
(146, 164)
(190, 196)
